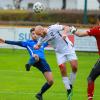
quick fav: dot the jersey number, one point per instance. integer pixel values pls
(51, 34)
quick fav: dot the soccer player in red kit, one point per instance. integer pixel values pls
(95, 72)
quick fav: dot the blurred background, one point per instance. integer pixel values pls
(17, 17)
(64, 11)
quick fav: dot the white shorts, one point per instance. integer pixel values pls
(62, 58)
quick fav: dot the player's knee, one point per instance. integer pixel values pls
(74, 65)
(74, 68)
(89, 79)
(62, 67)
(50, 82)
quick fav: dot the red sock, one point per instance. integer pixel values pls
(90, 90)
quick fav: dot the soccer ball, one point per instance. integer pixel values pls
(38, 7)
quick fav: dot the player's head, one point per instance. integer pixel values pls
(39, 30)
(98, 19)
(33, 35)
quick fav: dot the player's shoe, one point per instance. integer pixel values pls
(39, 96)
(71, 86)
(27, 66)
(70, 93)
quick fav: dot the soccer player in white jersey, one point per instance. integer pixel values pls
(64, 51)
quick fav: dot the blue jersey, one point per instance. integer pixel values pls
(42, 64)
(29, 44)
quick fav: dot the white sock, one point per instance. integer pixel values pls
(72, 77)
(66, 83)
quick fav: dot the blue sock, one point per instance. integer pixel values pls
(45, 87)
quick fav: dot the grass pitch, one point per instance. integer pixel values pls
(17, 84)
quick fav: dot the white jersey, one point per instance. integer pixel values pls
(54, 38)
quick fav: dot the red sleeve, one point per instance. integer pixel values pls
(94, 31)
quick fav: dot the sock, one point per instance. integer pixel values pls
(72, 78)
(90, 90)
(45, 87)
(66, 83)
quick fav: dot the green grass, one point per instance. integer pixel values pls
(17, 84)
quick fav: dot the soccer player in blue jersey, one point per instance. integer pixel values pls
(37, 59)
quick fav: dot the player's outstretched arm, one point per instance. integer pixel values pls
(74, 30)
(81, 34)
(19, 43)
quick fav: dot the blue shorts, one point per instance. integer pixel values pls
(42, 65)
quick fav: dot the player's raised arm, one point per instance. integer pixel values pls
(73, 30)
(65, 29)
(38, 45)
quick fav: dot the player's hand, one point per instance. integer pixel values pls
(36, 57)
(2, 41)
(36, 47)
(73, 29)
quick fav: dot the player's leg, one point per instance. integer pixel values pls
(29, 64)
(72, 58)
(74, 65)
(62, 65)
(91, 78)
(48, 76)
(65, 79)
(43, 66)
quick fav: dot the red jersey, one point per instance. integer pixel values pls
(95, 31)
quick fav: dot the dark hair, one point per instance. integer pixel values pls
(32, 29)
